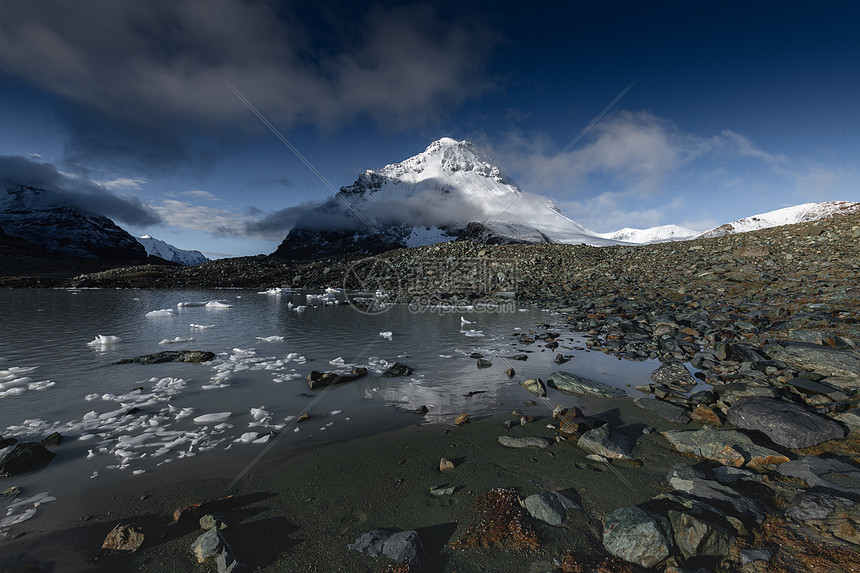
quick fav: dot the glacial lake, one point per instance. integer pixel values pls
(129, 425)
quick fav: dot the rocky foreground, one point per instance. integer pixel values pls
(740, 455)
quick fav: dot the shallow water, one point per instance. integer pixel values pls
(265, 349)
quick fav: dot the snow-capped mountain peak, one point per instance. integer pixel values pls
(168, 252)
(785, 216)
(650, 235)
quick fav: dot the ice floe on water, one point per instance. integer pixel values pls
(213, 418)
(161, 313)
(190, 304)
(271, 338)
(102, 340)
(202, 326)
(473, 333)
(217, 304)
(387, 334)
(177, 340)
(12, 384)
(277, 291)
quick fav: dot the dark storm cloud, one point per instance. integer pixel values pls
(161, 62)
(62, 190)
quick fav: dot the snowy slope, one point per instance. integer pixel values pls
(787, 216)
(429, 198)
(650, 235)
(168, 252)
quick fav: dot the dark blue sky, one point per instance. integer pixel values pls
(737, 108)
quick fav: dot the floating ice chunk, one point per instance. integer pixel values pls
(86, 437)
(300, 308)
(335, 412)
(138, 472)
(522, 310)
(177, 340)
(15, 382)
(247, 437)
(263, 439)
(296, 429)
(387, 334)
(472, 333)
(39, 386)
(259, 414)
(202, 326)
(217, 304)
(272, 291)
(162, 312)
(212, 418)
(271, 338)
(464, 321)
(184, 413)
(102, 340)
(187, 304)
(337, 361)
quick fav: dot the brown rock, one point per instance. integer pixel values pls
(705, 415)
(303, 418)
(462, 419)
(202, 508)
(445, 465)
(510, 372)
(123, 538)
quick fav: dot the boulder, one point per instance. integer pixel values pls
(603, 441)
(637, 536)
(55, 439)
(690, 481)
(323, 379)
(23, 458)
(549, 507)
(696, 537)
(727, 447)
(397, 369)
(817, 358)
(573, 384)
(807, 386)
(401, 546)
(525, 442)
(667, 411)
(195, 356)
(673, 374)
(826, 474)
(535, 386)
(123, 538)
(785, 423)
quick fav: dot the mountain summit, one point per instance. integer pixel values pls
(451, 191)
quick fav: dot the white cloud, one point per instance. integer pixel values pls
(200, 194)
(187, 216)
(122, 184)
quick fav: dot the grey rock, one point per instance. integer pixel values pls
(807, 386)
(667, 411)
(484, 363)
(535, 386)
(195, 356)
(828, 474)
(549, 507)
(525, 442)
(568, 382)
(817, 358)
(745, 353)
(322, 379)
(637, 536)
(732, 392)
(607, 443)
(808, 505)
(758, 554)
(23, 458)
(850, 418)
(517, 357)
(673, 373)
(785, 423)
(208, 545)
(693, 482)
(401, 546)
(727, 447)
(699, 537)
(397, 369)
(730, 475)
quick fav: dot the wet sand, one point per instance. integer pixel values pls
(300, 513)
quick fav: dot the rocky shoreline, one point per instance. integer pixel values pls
(747, 460)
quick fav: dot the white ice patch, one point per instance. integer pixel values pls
(201, 326)
(102, 340)
(161, 312)
(212, 418)
(177, 340)
(387, 334)
(337, 361)
(22, 510)
(271, 338)
(189, 304)
(217, 304)
(472, 333)
(274, 291)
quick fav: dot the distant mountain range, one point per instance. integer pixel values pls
(168, 252)
(449, 192)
